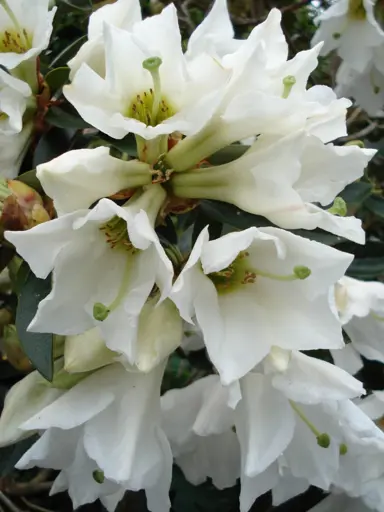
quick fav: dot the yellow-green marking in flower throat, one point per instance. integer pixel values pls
(150, 106)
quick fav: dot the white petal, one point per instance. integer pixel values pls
(264, 424)
(78, 178)
(311, 380)
(25, 399)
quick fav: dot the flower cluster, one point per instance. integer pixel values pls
(255, 299)
(352, 29)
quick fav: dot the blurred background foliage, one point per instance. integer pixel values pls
(59, 129)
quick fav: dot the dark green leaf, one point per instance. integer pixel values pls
(228, 154)
(355, 194)
(38, 347)
(56, 116)
(56, 78)
(6, 254)
(229, 214)
(201, 498)
(202, 220)
(30, 179)
(68, 52)
(52, 144)
(126, 145)
(10, 455)
(375, 204)
(367, 268)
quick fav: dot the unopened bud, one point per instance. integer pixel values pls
(98, 476)
(100, 312)
(22, 208)
(12, 350)
(302, 272)
(323, 440)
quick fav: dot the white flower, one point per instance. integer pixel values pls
(123, 14)
(192, 339)
(272, 99)
(279, 178)
(301, 411)
(25, 30)
(87, 352)
(78, 178)
(361, 308)
(112, 435)
(24, 400)
(198, 424)
(150, 95)
(240, 289)
(14, 94)
(367, 88)
(349, 26)
(13, 150)
(106, 263)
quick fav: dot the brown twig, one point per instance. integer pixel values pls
(35, 507)
(8, 503)
(255, 20)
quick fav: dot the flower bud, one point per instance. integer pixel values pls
(12, 350)
(21, 206)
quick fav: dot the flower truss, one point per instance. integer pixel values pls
(123, 296)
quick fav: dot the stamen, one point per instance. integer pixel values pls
(19, 30)
(152, 65)
(339, 207)
(100, 311)
(323, 439)
(288, 82)
(299, 272)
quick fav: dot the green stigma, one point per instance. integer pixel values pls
(152, 64)
(323, 440)
(240, 272)
(150, 107)
(98, 476)
(343, 449)
(336, 35)
(288, 82)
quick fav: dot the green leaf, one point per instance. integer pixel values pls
(201, 498)
(52, 144)
(125, 145)
(355, 194)
(229, 214)
(30, 179)
(375, 204)
(228, 154)
(10, 455)
(367, 269)
(59, 117)
(38, 347)
(68, 52)
(56, 78)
